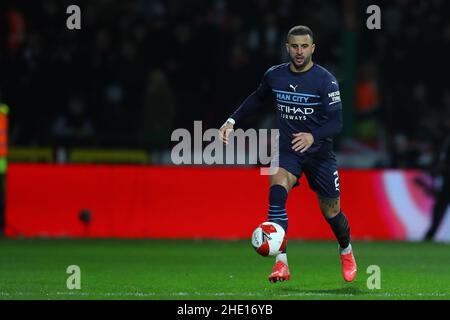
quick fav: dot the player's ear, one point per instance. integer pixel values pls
(313, 47)
(287, 47)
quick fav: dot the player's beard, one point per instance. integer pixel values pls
(299, 67)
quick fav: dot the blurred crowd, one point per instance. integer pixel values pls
(406, 62)
(139, 69)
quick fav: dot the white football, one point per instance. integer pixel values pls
(268, 239)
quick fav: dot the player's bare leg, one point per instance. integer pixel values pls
(331, 210)
(280, 184)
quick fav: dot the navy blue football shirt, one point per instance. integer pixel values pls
(305, 102)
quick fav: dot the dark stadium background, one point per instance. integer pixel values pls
(90, 180)
(135, 64)
(114, 91)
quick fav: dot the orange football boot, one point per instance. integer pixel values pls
(348, 266)
(280, 272)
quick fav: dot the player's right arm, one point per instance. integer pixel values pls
(252, 103)
(225, 130)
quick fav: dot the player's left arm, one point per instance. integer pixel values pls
(331, 102)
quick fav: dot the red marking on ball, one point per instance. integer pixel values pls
(268, 228)
(263, 249)
(283, 245)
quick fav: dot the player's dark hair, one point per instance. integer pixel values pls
(300, 31)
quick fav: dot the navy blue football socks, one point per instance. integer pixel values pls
(341, 229)
(277, 206)
(277, 213)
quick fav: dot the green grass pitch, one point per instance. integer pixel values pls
(213, 269)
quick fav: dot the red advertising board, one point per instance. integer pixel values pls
(199, 202)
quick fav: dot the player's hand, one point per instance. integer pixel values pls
(225, 131)
(302, 141)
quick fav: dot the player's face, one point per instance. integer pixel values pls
(300, 49)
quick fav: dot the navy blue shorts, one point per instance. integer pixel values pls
(320, 170)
